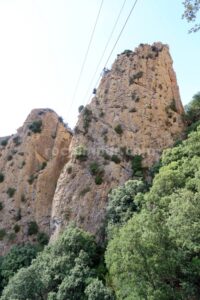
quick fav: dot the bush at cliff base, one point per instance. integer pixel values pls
(64, 270)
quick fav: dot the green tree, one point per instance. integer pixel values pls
(18, 257)
(65, 269)
(74, 283)
(156, 255)
(121, 204)
(193, 109)
(26, 284)
(139, 251)
(190, 13)
(97, 291)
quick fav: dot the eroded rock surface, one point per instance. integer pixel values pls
(136, 111)
(30, 164)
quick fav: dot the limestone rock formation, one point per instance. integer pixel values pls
(136, 112)
(30, 164)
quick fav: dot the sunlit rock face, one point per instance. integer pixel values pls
(136, 111)
(30, 164)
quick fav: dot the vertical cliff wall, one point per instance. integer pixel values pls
(136, 112)
(30, 164)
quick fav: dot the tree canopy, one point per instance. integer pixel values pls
(122, 204)
(156, 254)
(65, 269)
(193, 109)
(18, 257)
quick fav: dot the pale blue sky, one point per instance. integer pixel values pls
(43, 42)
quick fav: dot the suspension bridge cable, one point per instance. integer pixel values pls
(123, 27)
(86, 55)
(106, 46)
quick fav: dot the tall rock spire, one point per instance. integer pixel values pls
(136, 113)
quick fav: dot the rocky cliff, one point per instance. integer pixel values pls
(135, 114)
(30, 164)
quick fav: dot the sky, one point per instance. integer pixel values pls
(43, 45)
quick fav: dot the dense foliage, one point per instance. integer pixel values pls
(123, 204)
(193, 109)
(66, 269)
(19, 256)
(156, 255)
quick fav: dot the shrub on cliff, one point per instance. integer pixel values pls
(87, 118)
(97, 170)
(115, 158)
(36, 126)
(1, 177)
(136, 165)
(32, 228)
(11, 191)
(80, 153)
(118, 129)
(4, 142)
(2, 233)
(81, 107)
(94, 168)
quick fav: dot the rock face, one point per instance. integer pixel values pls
(136, 112)
(30, 164)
